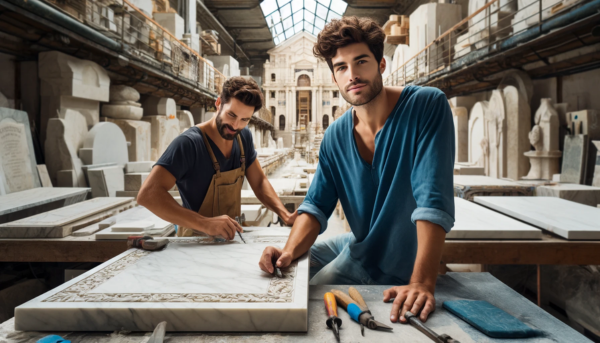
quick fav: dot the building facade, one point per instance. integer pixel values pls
(298, 88)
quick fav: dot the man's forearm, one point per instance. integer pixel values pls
(431, 239)
(304, 233)
(161, 203)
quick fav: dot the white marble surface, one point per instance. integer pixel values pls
(481, 181)
(474, 221)
(136, 225)
(38, 196)
(562, 217)
(46, 224)
(190, 285)
(105, 182)
(109, 234)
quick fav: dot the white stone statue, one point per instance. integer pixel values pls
(544, 137)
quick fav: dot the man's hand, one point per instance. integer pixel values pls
(271, 254)
(414, 297)
(290, 218)
(222, 226)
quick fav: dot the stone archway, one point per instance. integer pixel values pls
(303, 81)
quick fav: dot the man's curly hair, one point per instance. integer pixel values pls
(348, 30)
(245, 90)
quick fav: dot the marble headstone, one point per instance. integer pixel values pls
(565, 218)
(586, 122)
(574, 159)
(64, 138)
(495, 120)
(104, 143)
(18, 168)
(105, 182)
(137, 134)
(160, 107)
(478, 146)
(194, 284)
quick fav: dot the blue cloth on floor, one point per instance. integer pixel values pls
(53, 339)
(489, 319)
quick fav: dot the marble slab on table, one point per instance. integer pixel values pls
(583, 194)
(110, 234)
(191, 284)
(473, 221)
(34, 197)
(482, 181)
(139, 213)
(57, 223)
(564, 218)
(574, 159)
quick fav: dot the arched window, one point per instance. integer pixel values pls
(282, 123)
(325, 121)
(303, 81)
(273, 77)
(333, 110)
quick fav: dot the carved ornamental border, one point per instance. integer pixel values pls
(280, 290)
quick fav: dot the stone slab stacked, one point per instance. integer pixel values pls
(136, 221)
(583, 194)
(126, 112)
(33, 201)
(211, 286)
(18, 168)
(161, 113)
(63, 221)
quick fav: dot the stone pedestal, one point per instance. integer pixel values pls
(67, 82)
(544, 164)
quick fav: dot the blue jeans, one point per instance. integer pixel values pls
(331, 264)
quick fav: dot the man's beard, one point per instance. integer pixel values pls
(375, 88)
(221, 128)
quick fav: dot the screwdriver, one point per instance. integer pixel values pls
(333, 322)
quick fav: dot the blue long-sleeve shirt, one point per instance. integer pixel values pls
(410, 179)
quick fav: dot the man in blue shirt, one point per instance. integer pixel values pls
(389, 160)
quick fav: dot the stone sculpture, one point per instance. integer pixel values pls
(477, 134)
(495, 119)
(518, 125)
(544, 137)
(123, 104)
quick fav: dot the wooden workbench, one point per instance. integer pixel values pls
(549, 250)
(453, 286)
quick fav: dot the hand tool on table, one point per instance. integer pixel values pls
(333, 322)
(146, 242)
(240, 220)
(418, 324)
(358, 310)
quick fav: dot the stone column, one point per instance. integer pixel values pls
(288, 111)
(314, 104)
(289, 125)
(320, 107)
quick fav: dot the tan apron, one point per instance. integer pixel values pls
(224, 195)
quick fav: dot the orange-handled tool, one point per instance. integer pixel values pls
(333, 322)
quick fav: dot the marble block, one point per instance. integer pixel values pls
(460, 115)
(473, 221)
(468, 186)
(468, 170)
(495, 120)
(134, 181)
(172, 22)
(574, 159)
(128, 112)
(61, 222)
(139, 167)
(160, 107)
(27, 203)
(123, 93)
(163, 132)
(518, 125)
(137, 134)
(596, 179)
(564, 218)
(193, 286)
(110, 234)
(136, 214)
(63, 139)
(67, 82)
(18, 168)
(44, 176)
(104, 143)
(105, 182)
(583, 194)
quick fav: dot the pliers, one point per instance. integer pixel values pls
(358, 310)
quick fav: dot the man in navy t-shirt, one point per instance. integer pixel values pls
(208, 162)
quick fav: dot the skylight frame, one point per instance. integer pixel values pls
(309, 15)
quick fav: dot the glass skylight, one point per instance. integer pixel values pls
(288, 17)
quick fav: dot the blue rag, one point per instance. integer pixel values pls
(53, 339)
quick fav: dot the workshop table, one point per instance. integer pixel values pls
(453, 286)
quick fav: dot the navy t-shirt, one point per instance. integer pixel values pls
(189, 161)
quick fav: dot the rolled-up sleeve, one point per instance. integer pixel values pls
(433, 168)
(322, 195)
